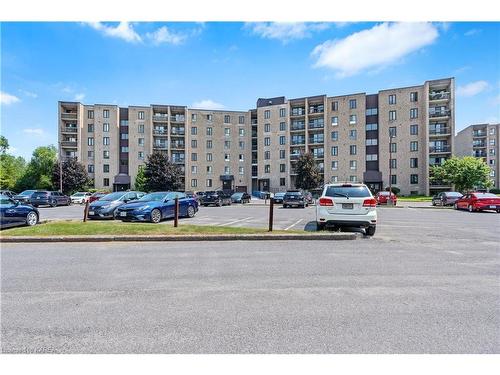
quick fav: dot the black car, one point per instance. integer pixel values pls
(216, 198)
(278, 197)
(14, 213)
(106, 207)
(240, 197)
(294, 198)
(49, 198)
(24, 197)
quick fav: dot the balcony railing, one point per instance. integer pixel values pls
(438, 149)
(316, 140)
(439, 95)
(161, 146)
(479, 133)
(317, 109)
(479, 154)
(68, 116)
(319, 155)
(298, 111)
(316, 125)
(69, 143)
(253, 122)
(69, 129)
(298, 142)
(178, 160)
(177, 145)
(439, 131)
(478, 144)
(177, 118)
(177, 132)
(160, 132)
(441, 113)
(297, 127)
(294, 156)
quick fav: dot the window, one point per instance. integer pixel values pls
(282, 140)
(492, 151)
(492, 131)
(209, 143)
(352, 119)
(267, 114)
(124, 149)
(414, 96)
(371, 157)
(392, 115)
(371, 142)
(105, 168)
(335, 106)
(392, 99)
(267, 128)
(105, 141)
(267, 155)
(105, 113)
(140, 115)
(413, 113)
(394, 179)
(393, 163)
(194, 169)
(393, 147)
(282, 181)
(413, 162)
(241, 120)
(140, 141)
(352, 134)
(335, 121)
(209, 117)
(352, 149)
(194, 182)
(282, 154)
(90, 141)
(90, 154)
(241, 132)
(282, 168)
(413, 146)
(193, 116)
(352, 104)
(227, 157)
(124, 135)
(194, 130)
(140, 129)
(194, 143)
(241, 157)
(267, 141)
(209, 131)
(335, 178)
(140, 155)
(267, 168)
(372, 111)
(392, 131)
(208, 183)
(492, 161)
(282, 126)
(227, 132)
(335, 150)
(123, 122)
(353, 164)
(371, 127)
(241, 170)
(194, 156)
(413, 129)
(90, 168)
(227, 170)
(105, 127)
(105, 154)
(282, 112)
(227, 145)
(209, 169)
(241, 145)
(352, 178)
(335, 165)
(90, 114)
(209, 157)
(335, 136)
(414, 179)
(492, 142)
(105, 182)
(227, 119)
(90, 128)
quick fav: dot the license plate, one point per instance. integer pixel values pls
(123, 214)
(347, 206)
(91, 212)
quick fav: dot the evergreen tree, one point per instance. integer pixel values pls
(308, 175)
(75, 177)
(161, 174)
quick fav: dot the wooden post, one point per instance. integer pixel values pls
(86, 211)
(176, 212)
(271, 213)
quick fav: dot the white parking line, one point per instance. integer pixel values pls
(294, 224)
(235, 221)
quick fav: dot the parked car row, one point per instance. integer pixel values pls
(474, 202)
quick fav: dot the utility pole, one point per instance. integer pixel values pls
(60, 167)
(390, 168)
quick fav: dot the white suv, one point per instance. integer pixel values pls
(347, 205)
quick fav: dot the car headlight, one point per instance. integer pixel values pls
(143, 208)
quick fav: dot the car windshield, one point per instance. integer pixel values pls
(40, 193)
(293, 193)
(237, 195)
(27, 192)
(112, 196)
(279, 194)
(347, 191)
(78, 194)
(485, 195)
(453, 194)
(154, 197)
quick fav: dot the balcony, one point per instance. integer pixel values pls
(72, 144)
(160, 146)
(439, 95)
(316, 124)
(440, 149)
(177, 118)
(69, 116)
(294, 156)
(253, 122)
(179, 132)
(178, 158)
(317, 109)
(479, 133)
(160, 132)
(479, 144)
(160, 117)
(298, 142)
(316, 140)
(440, 131)
(297, 125)
(69, 129)
(479, 154)
(177, 145)
(298, 111)
(440, 113)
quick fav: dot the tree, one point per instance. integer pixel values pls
(11, 167)
(160, 174)
(75, 177)
(465, 173)
(4, 144)
(38, 173)
(140, 180)
(308, 175)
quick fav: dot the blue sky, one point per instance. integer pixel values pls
(230, 65)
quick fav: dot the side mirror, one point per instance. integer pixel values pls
(126, 200)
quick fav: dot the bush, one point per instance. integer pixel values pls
(495, 191)
(394, 189)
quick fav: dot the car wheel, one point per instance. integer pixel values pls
(320, 226)
(219, 203)
(433, 203)
(498, 211)
(191, 211)
(471, 209)
(32, 219)
(53, 204)
(370, 231)
(155, 216)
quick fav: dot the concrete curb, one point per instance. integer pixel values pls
(432, 207)
(228, 237)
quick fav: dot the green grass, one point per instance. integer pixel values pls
(79, 228)
(415, 198)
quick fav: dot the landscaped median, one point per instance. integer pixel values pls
(77, 231)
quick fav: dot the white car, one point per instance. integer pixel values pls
(80, 197)
(347, 205)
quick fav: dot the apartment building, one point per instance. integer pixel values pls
(481, 141)
(390, 137)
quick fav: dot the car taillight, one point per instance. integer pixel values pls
(370, 202)
(326, 202)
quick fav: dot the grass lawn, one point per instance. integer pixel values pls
(79, 228)
(416, 198)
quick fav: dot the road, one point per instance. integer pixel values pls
(428, 282)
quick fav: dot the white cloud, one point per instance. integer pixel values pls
(8, 99)
(124, 30)
(208, 104)
(79, 97)
(472, 88)
(472, 32)
(36, 131)
(374, 48)
(28, 93)
(164, 36)
(285, 31)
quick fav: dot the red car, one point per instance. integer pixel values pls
(96, 196)
(478, 202)
(383, 196)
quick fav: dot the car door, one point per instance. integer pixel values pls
(464, 202)
(169, 206)
(11, 215)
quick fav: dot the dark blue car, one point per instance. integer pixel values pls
(13, 213)
(154, 207)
